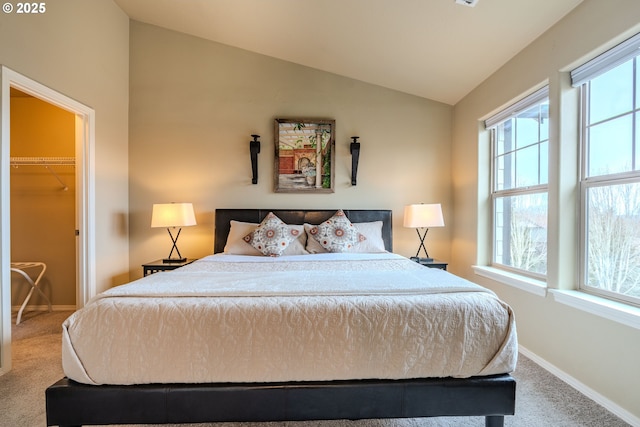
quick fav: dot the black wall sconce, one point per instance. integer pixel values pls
(254, 148)
(355, 156)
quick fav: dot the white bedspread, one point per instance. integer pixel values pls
(312, 317)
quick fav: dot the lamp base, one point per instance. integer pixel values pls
(174, 260)
(418, 259)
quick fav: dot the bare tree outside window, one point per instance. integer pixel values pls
(613, 259)
(522, 233)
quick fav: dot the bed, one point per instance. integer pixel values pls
(368, 374)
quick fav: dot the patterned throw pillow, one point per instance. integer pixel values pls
(236, 244)
(373, 241)
(337, 234)
(272, 236)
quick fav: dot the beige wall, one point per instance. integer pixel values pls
(599, 353)
(42, 210)
(81, 49)
(195, 103)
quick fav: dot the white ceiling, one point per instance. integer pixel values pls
(435, 49)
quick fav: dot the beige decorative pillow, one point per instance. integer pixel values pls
(337, 234)
(272, 236)
(313, 247)
(237, 246)
(235, 240)
(372, 231)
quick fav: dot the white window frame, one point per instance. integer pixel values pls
(581, 77)
(536, 98)
(589, 182)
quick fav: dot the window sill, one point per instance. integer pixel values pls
(616, 311)
(536, 287)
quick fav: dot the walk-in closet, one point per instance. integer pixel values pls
(43, 186)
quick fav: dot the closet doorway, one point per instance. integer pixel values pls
(43, 187)
(64, 180)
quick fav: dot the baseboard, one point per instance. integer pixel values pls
(15, 308)
(582, 388)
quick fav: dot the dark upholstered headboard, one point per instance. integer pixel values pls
(300, 216)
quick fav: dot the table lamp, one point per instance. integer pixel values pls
(172, 215)
(423, 216)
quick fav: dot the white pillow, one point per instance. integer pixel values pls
(373, 232)
(237, 246)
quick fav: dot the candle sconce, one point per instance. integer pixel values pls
(355, 157)
(254, 148)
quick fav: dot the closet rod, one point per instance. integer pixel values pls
(42, 161)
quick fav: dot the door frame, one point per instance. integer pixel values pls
(85, 197)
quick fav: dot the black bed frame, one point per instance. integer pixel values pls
(71, 404)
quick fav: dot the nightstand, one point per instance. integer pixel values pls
(158, 266)
(434, 264)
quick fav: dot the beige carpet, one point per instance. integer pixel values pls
(542, 399)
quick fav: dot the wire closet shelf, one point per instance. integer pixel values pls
(43, 161)
(47, 162)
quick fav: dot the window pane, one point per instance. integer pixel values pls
(544, 162)
(498, 165)
(499, 231)
(505, 177)
(519, 162)
(504, 138)
(544, 122)
(527, 166)
(613, 242)
(520, 232)
(527, 128)
(637, 80)
(612, 93)
(610, 147)
(636, 164)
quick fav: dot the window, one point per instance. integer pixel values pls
(520, 147)
(610, 173)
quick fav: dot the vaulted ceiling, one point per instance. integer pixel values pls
(436, 49)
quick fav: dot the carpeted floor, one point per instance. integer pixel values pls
(542, 399)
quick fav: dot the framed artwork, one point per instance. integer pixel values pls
(304, 160)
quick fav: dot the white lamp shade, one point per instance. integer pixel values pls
(172, 215)
(423, 216)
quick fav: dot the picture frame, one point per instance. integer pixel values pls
(304, 155)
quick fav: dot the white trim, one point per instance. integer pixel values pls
(582, 388)
(536, 287)
(5, 227)
(85, 196)
(518, 107)
(612, 310)
(606, 61)
(85, 213)
(85, 167)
